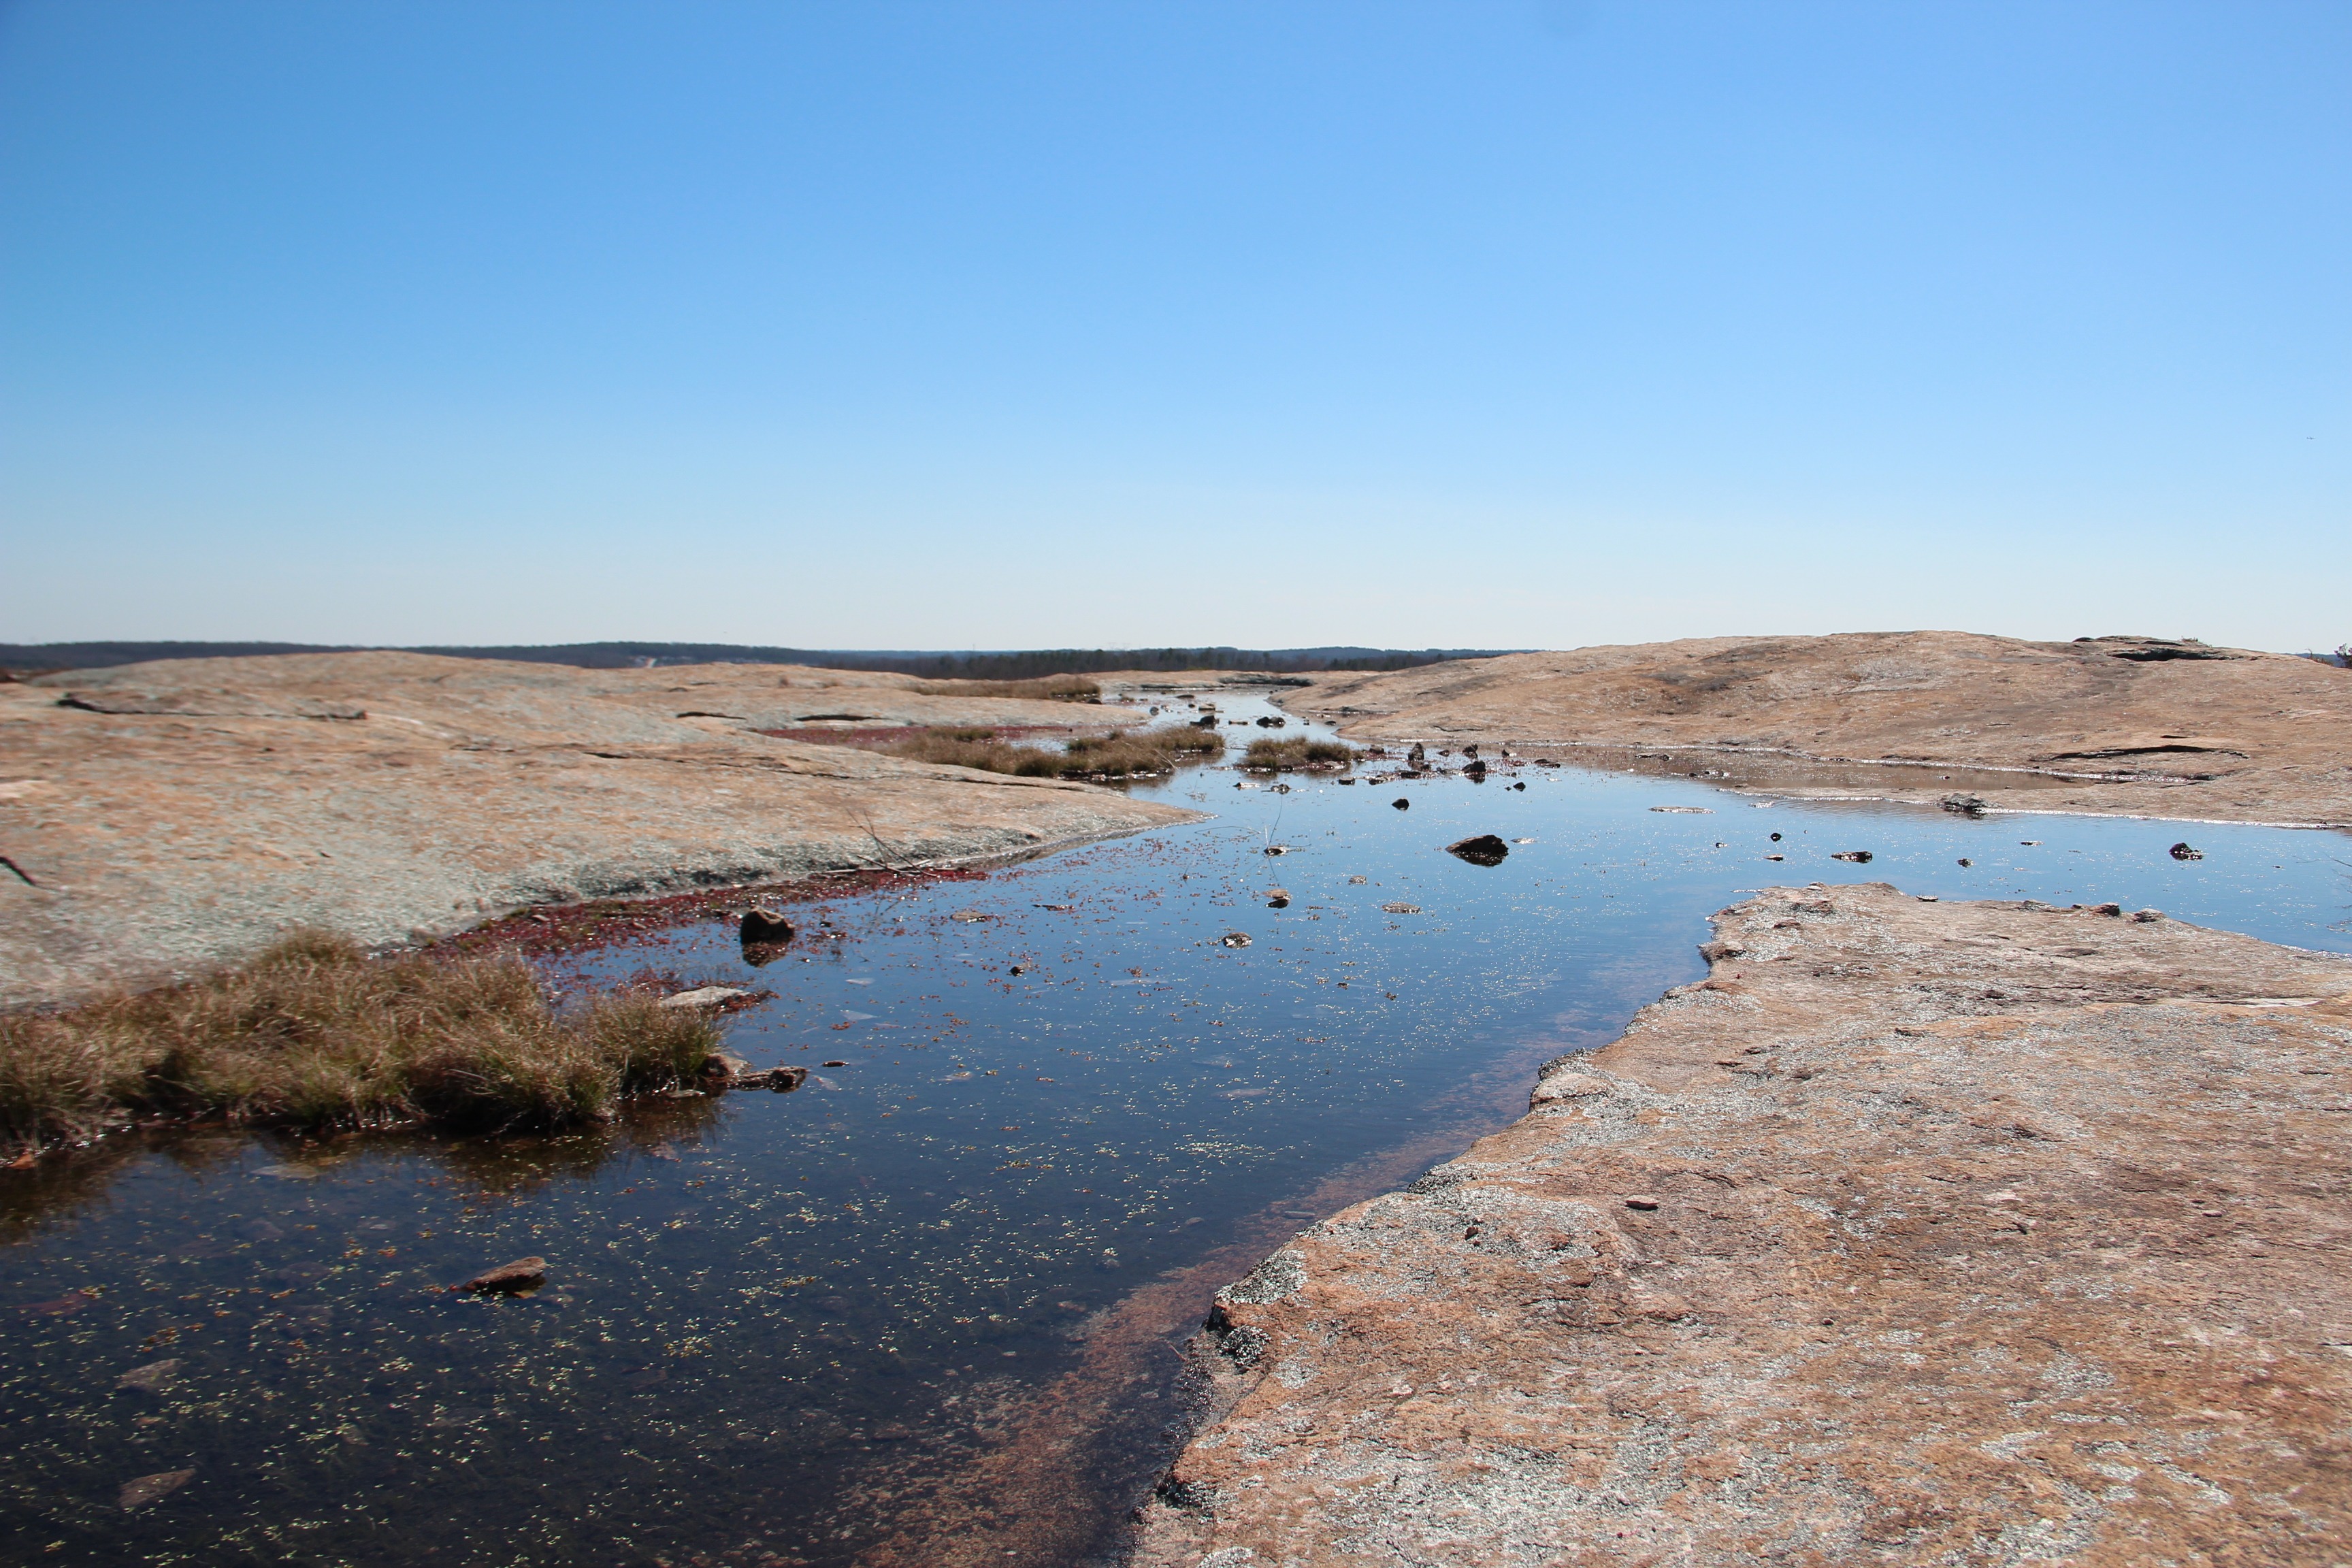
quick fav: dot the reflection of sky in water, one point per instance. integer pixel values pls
(773, 1317)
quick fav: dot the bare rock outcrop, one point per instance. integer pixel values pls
(1916, 1233)
(164, 817)
(2133, 725)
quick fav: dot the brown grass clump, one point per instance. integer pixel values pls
(1122, 754)
(1045, 687)
(313, 1033)
(1296, 751)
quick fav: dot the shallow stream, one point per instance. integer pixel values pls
(926, 1309)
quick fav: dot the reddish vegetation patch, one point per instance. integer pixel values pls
(553, 930)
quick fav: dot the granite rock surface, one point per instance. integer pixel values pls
(1917, 1233)
(164, 817)
(2136, 726)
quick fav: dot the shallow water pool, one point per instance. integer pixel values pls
(924, 1310)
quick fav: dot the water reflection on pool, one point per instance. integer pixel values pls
(921, 1309)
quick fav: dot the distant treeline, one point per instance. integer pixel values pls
(1014, 666)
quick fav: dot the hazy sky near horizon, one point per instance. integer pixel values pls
(1007, 323)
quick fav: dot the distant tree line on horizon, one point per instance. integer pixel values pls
(1022, 665)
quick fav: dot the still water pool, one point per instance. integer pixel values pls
(925, 1310)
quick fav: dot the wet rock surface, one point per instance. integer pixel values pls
(2131, 725)
(1916, 1233)
(167, 817)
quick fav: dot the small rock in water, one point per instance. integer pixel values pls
(836, 1064)
(703, 996)
(1277, 898)
(724, 1064)
(1400, 909)
(1964, 805)
(765, 928)
(509, 1279)
(152, 1378)
(1417, 755)
(149, 1489)
(1278, 849)
(1358, 882)
(968, 916)
(1859, 857)
(1520, 785)
(1686, 810)
(1233, 938)
(783, 1080)
(1402, 804)
(1776, 838)
(1482, 850)
(1966, 862)
(1775, 856)
(2183, 852)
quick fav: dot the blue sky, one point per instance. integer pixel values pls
(998, 324)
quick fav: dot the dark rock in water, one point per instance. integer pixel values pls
(1475, 769)
(2182, 852)
(783, 1080)
(1418, 755)
(1485, 849)
(1776, 838)
(153, 1378)
(1965, 804)
(1521, 784)
(1966, 862)
(765, 928)
(724, 1064)
(149, 1489)
(509, 1279)
(1277, 898)
(1271, 723)
(1471, 752)
(1233, 938)
(1402, 804)
(1400, 909)
(1859, 857)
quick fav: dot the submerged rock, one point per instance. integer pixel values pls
(509, 1279)
(152, 1378)
(149, 1489)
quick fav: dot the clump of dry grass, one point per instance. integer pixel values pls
(1045, 687)
(1296, 751)
(1122, 754)
(313, 1033)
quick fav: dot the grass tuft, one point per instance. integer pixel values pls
(312, 1033)
(1289, 754)
(1045, 687)
(1122, 754)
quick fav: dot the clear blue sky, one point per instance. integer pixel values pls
(1006, 323)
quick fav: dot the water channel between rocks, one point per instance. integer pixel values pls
(928, 1309)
